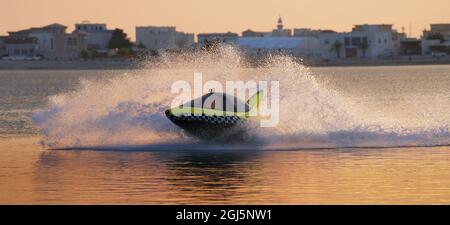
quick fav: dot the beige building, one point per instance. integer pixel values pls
(162, 38)
(53, 41)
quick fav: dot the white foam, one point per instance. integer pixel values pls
(129, 110)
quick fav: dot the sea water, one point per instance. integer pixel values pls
(346, 135)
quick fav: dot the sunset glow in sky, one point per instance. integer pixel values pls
(220, 16)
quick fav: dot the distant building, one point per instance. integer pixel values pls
(280, 31)
(162, 38)
(297, 46)
(21, 48)
(2, 45)
(434, 45)
(411, 46)
(306, 32)
(372, 41)
(97, 35)
(250, 33)
(441, 28)
(431, 41)
(227, 38)
(53, 41)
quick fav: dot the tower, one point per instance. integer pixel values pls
(280, 24)
(280, 31)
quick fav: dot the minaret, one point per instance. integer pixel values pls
(280, 24)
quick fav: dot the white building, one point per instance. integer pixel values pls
(296, 46)
(97, 35)
(370, 41)
(162, 38)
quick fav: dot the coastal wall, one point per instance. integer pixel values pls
(111, 64)
(78, 64)
(404, 60)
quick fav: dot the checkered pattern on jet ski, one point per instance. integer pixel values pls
(209, 119)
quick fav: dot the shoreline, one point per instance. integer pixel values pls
(116, 64)
(400, 61)
(70, 65)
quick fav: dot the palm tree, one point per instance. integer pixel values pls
(336, 47)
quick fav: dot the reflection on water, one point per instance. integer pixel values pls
(31, 175)
(144, 177)
(415, 96)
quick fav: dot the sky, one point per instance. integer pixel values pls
(197, 16)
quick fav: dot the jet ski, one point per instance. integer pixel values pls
(215, 116)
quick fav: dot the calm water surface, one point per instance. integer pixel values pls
(33, 175)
